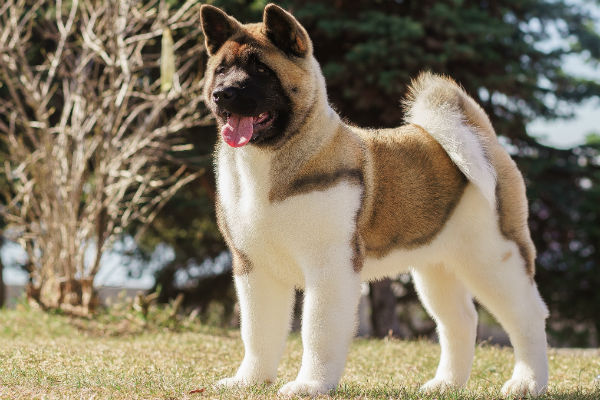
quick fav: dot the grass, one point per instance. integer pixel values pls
(47, 356)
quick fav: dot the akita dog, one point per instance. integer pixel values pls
(306, 200)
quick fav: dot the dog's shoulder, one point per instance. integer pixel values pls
(341, 157)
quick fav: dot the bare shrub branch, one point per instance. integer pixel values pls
(84, 121)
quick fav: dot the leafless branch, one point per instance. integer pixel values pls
(85, 126)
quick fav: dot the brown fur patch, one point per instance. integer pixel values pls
(232, 49)
(357, 253)
(241, 263)
(415, 189)
(510, 219)
(506, 256)
(322, 181)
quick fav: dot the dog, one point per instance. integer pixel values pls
(306, 200)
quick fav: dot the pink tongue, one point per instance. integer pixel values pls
(238, 130)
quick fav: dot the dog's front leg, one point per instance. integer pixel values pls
(331, 295)
(265, 308)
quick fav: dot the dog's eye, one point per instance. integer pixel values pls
(220, 69)
(261, 68)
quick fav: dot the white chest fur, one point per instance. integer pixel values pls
(282, 236)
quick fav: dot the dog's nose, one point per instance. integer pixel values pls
(224, 96)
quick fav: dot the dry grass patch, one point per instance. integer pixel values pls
(52, 356)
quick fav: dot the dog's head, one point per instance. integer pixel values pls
(260, 79)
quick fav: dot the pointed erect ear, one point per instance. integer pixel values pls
(217, 27)
(286, 32)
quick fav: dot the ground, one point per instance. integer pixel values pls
(53, 356)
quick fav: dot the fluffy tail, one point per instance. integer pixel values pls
(454, 119)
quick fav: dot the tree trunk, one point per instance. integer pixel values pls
(383, 309)
(72, 296)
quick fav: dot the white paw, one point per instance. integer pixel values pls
(437, 385)
(237, 381)
(310, 388)
(231, 382)
(522, 386)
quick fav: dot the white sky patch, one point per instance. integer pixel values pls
(568, 133)
(571, 132)
(114, 266)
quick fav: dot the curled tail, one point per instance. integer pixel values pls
(460, 126)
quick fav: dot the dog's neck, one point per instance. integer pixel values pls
(317, 128)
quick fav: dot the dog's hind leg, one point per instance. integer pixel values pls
(265, 308)
(498, 279)
(449, 303)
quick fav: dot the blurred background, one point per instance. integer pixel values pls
(106, 146)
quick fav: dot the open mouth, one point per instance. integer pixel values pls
(263, 120)
(239, 129)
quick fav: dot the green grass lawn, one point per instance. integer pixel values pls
(45, 356)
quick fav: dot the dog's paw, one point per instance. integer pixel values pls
(239, 381)
(437, 385)
(298, 388)
(522, 386)
(231, 382)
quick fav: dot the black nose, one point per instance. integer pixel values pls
(224, 96)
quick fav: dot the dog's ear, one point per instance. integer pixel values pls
(285, 31)
(217, 27)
